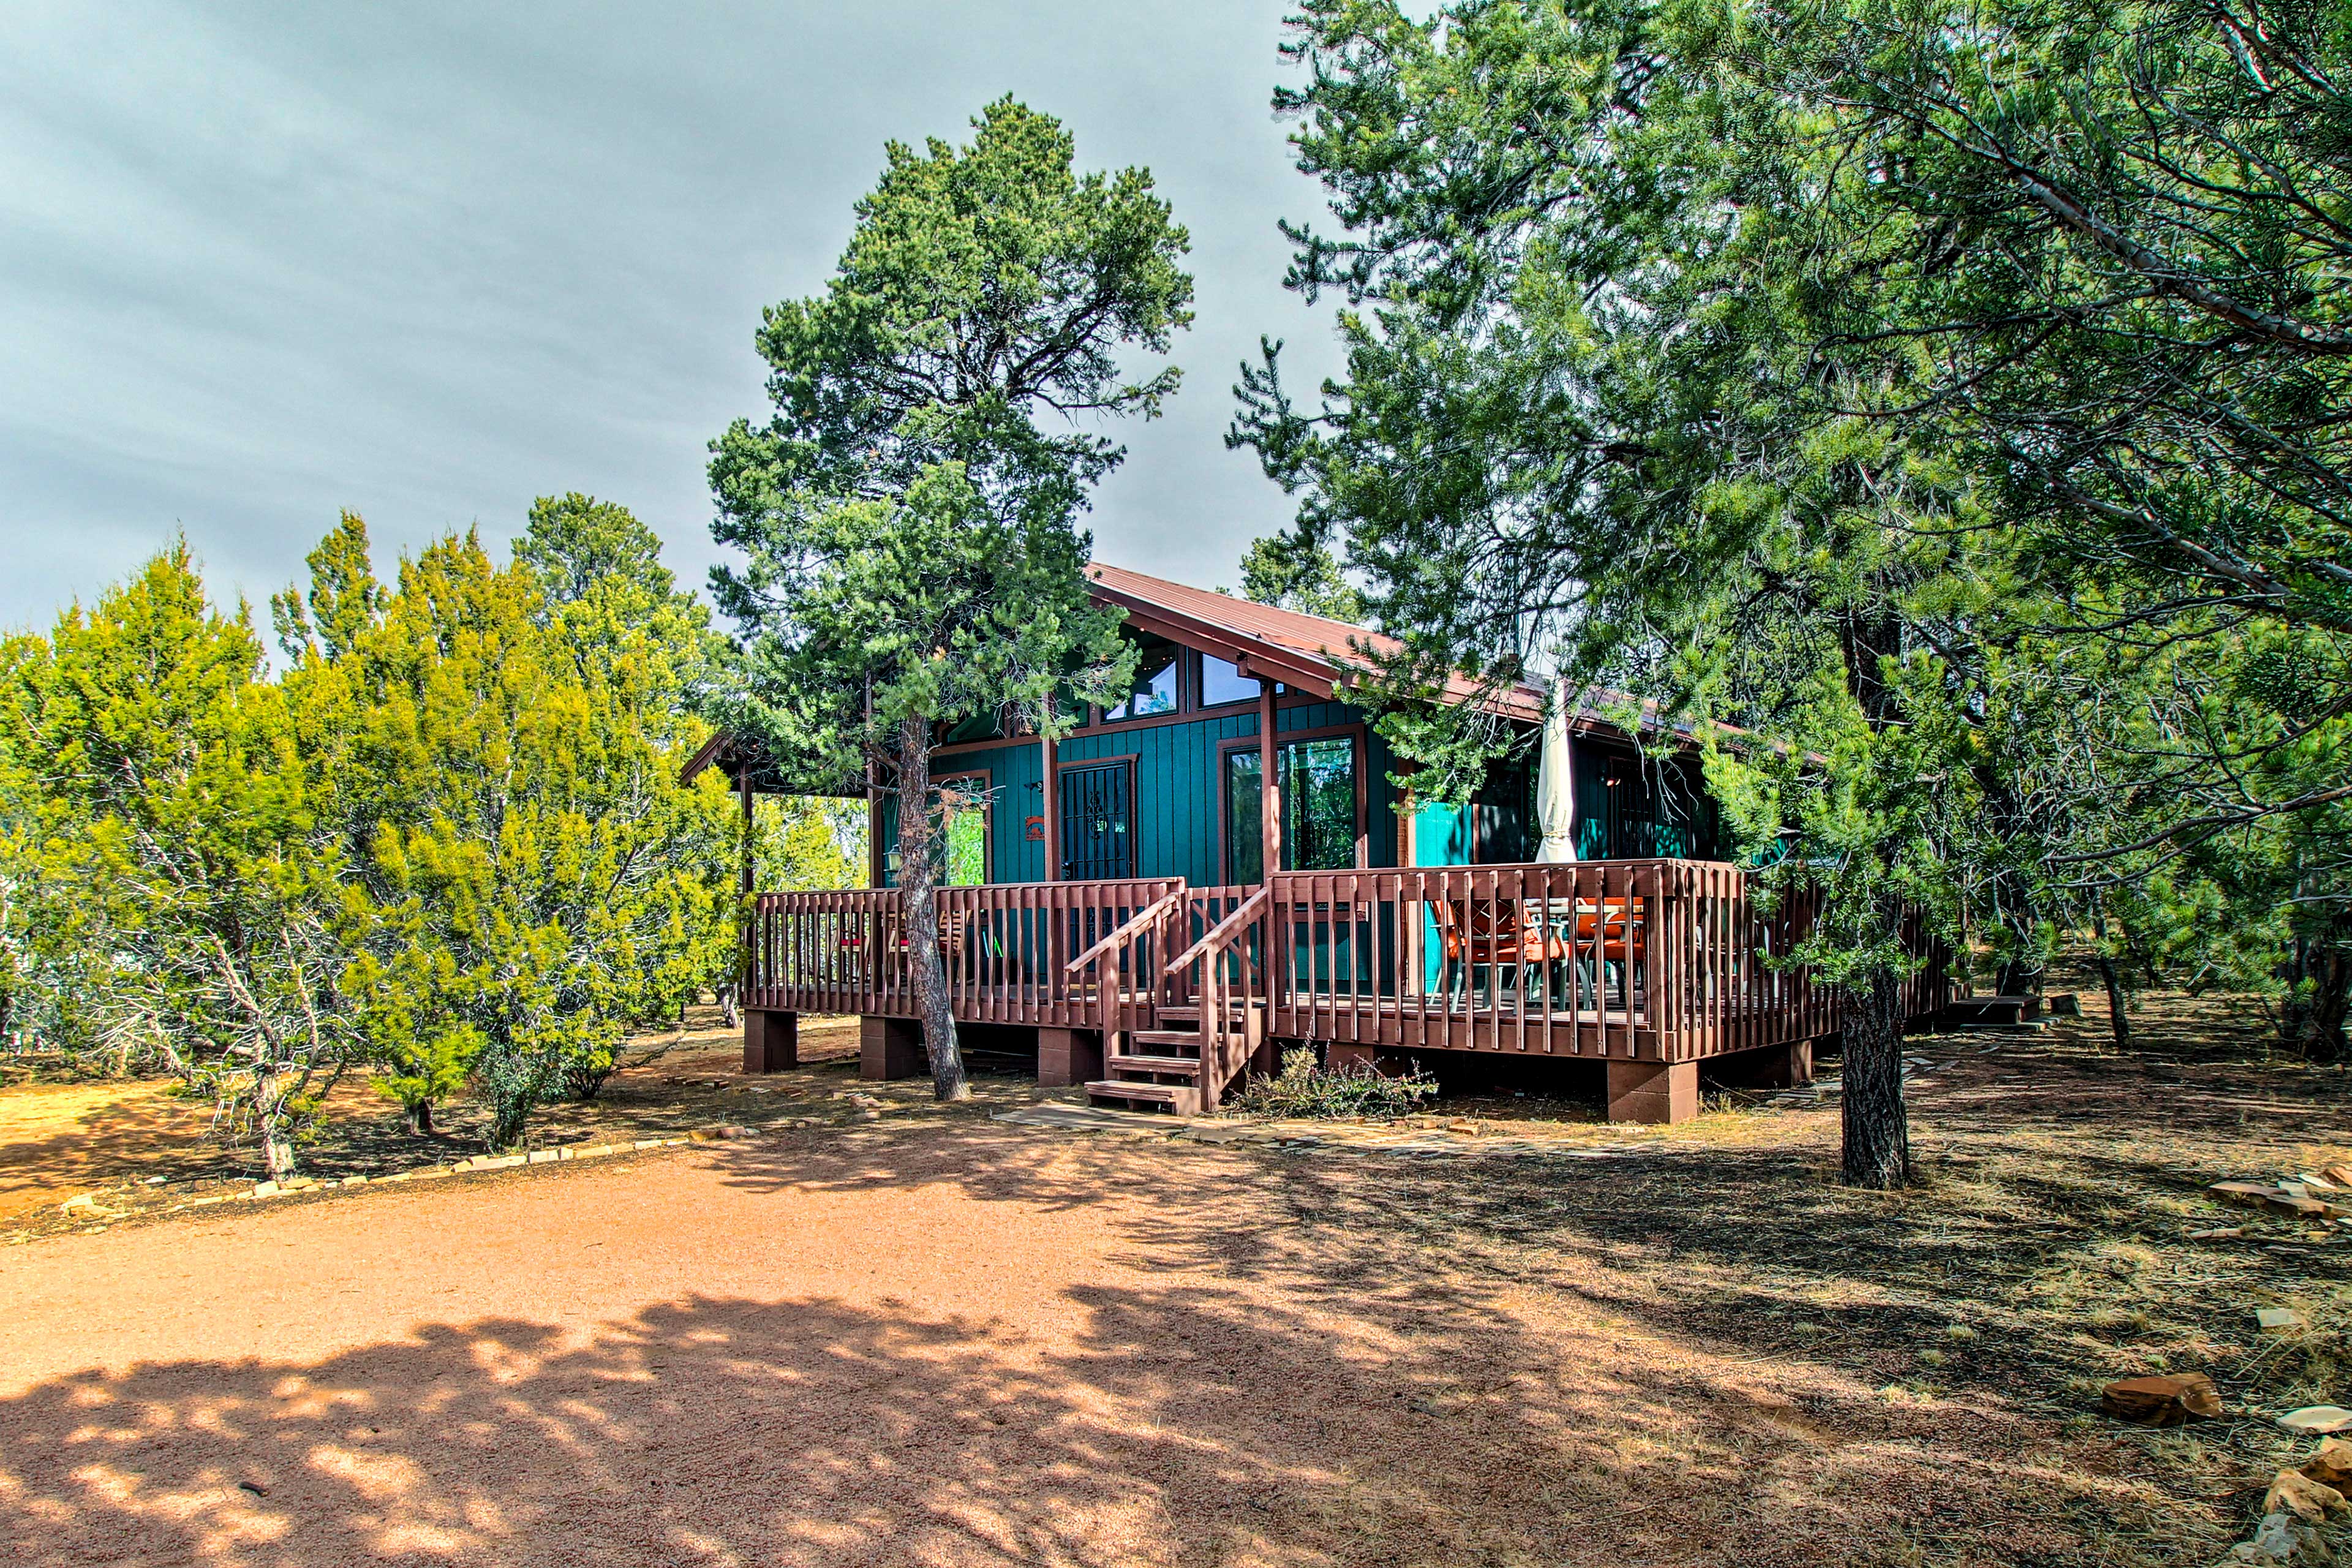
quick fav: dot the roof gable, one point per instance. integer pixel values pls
(1310, 652)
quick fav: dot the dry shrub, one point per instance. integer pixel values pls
(1306, 1088)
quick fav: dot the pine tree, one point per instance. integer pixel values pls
(912, 553)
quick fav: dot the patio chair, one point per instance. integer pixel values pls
(952, 926)
(1610, 932)
(1497, 933)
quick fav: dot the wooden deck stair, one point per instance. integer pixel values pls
(1160, 1069)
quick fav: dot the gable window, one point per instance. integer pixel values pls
(1155, 681)
(1319, 807)
(1222, 683)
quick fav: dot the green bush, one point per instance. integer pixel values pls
(1305, 1086)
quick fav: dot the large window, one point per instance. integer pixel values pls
(1222, 683)
(1319, 807)
(1155, 681)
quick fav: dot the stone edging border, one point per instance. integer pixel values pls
(265, 1190)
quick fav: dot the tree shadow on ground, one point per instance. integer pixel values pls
(1675, 1355)
(2048, 1254)
(1184, 1425)
(1686, 1285)
(1283, 1360)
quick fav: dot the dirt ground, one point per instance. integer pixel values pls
(906, 1335)
(138, 1147)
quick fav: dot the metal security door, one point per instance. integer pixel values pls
(1097, 826)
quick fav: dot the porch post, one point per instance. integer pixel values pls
(1269, 792)
(873, 803)
(1045, 750)
(747, 922)
(1663, 1092)
(772, 1041)
(743, 782)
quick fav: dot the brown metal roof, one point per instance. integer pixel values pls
(1325, 655)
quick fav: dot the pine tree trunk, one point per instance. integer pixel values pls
(2118, 1017)
(2019, 977)
(2318, 999)
(269, 1111)
(922, 910)
(1877, 1133)
(1877, 1129)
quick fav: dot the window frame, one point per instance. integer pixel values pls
(1355, 734)
(1200, 703)
(987, 777)
(1103, 716)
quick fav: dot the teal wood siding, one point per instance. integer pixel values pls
(1175, 808)
(1178, 822)
(1013, 774)
(1655, 809)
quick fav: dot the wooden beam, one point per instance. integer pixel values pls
(1049, 803)
(1269, 792)
(747, 923)
(873, 802)
(744, 782)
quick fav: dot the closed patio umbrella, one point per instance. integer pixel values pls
(1556, 784)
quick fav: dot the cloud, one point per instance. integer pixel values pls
(259, 263)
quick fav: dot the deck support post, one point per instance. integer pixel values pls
(1269, 792)
(890, 1048)
(1068, 1056)
(1663, 1092)
(1050, 804)
(772, 1041)
(1789, 1066)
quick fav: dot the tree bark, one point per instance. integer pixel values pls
(1876, 1127)
(2119, 1015)
(2019, 977)
(2319, 996)
(268, 1113)
(922, 910)
(420, 1119)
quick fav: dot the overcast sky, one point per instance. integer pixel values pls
(259, 263)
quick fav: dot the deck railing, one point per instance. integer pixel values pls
(1660, 960)
(1006, 946)
(1664, 960)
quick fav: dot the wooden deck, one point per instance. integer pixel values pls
(1658, 962)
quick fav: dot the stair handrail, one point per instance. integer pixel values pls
(1221, 934)
(1126, 932)
(1214, 1032)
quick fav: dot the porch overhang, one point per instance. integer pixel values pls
(735, 756)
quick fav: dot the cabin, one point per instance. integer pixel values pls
(1223, 865)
